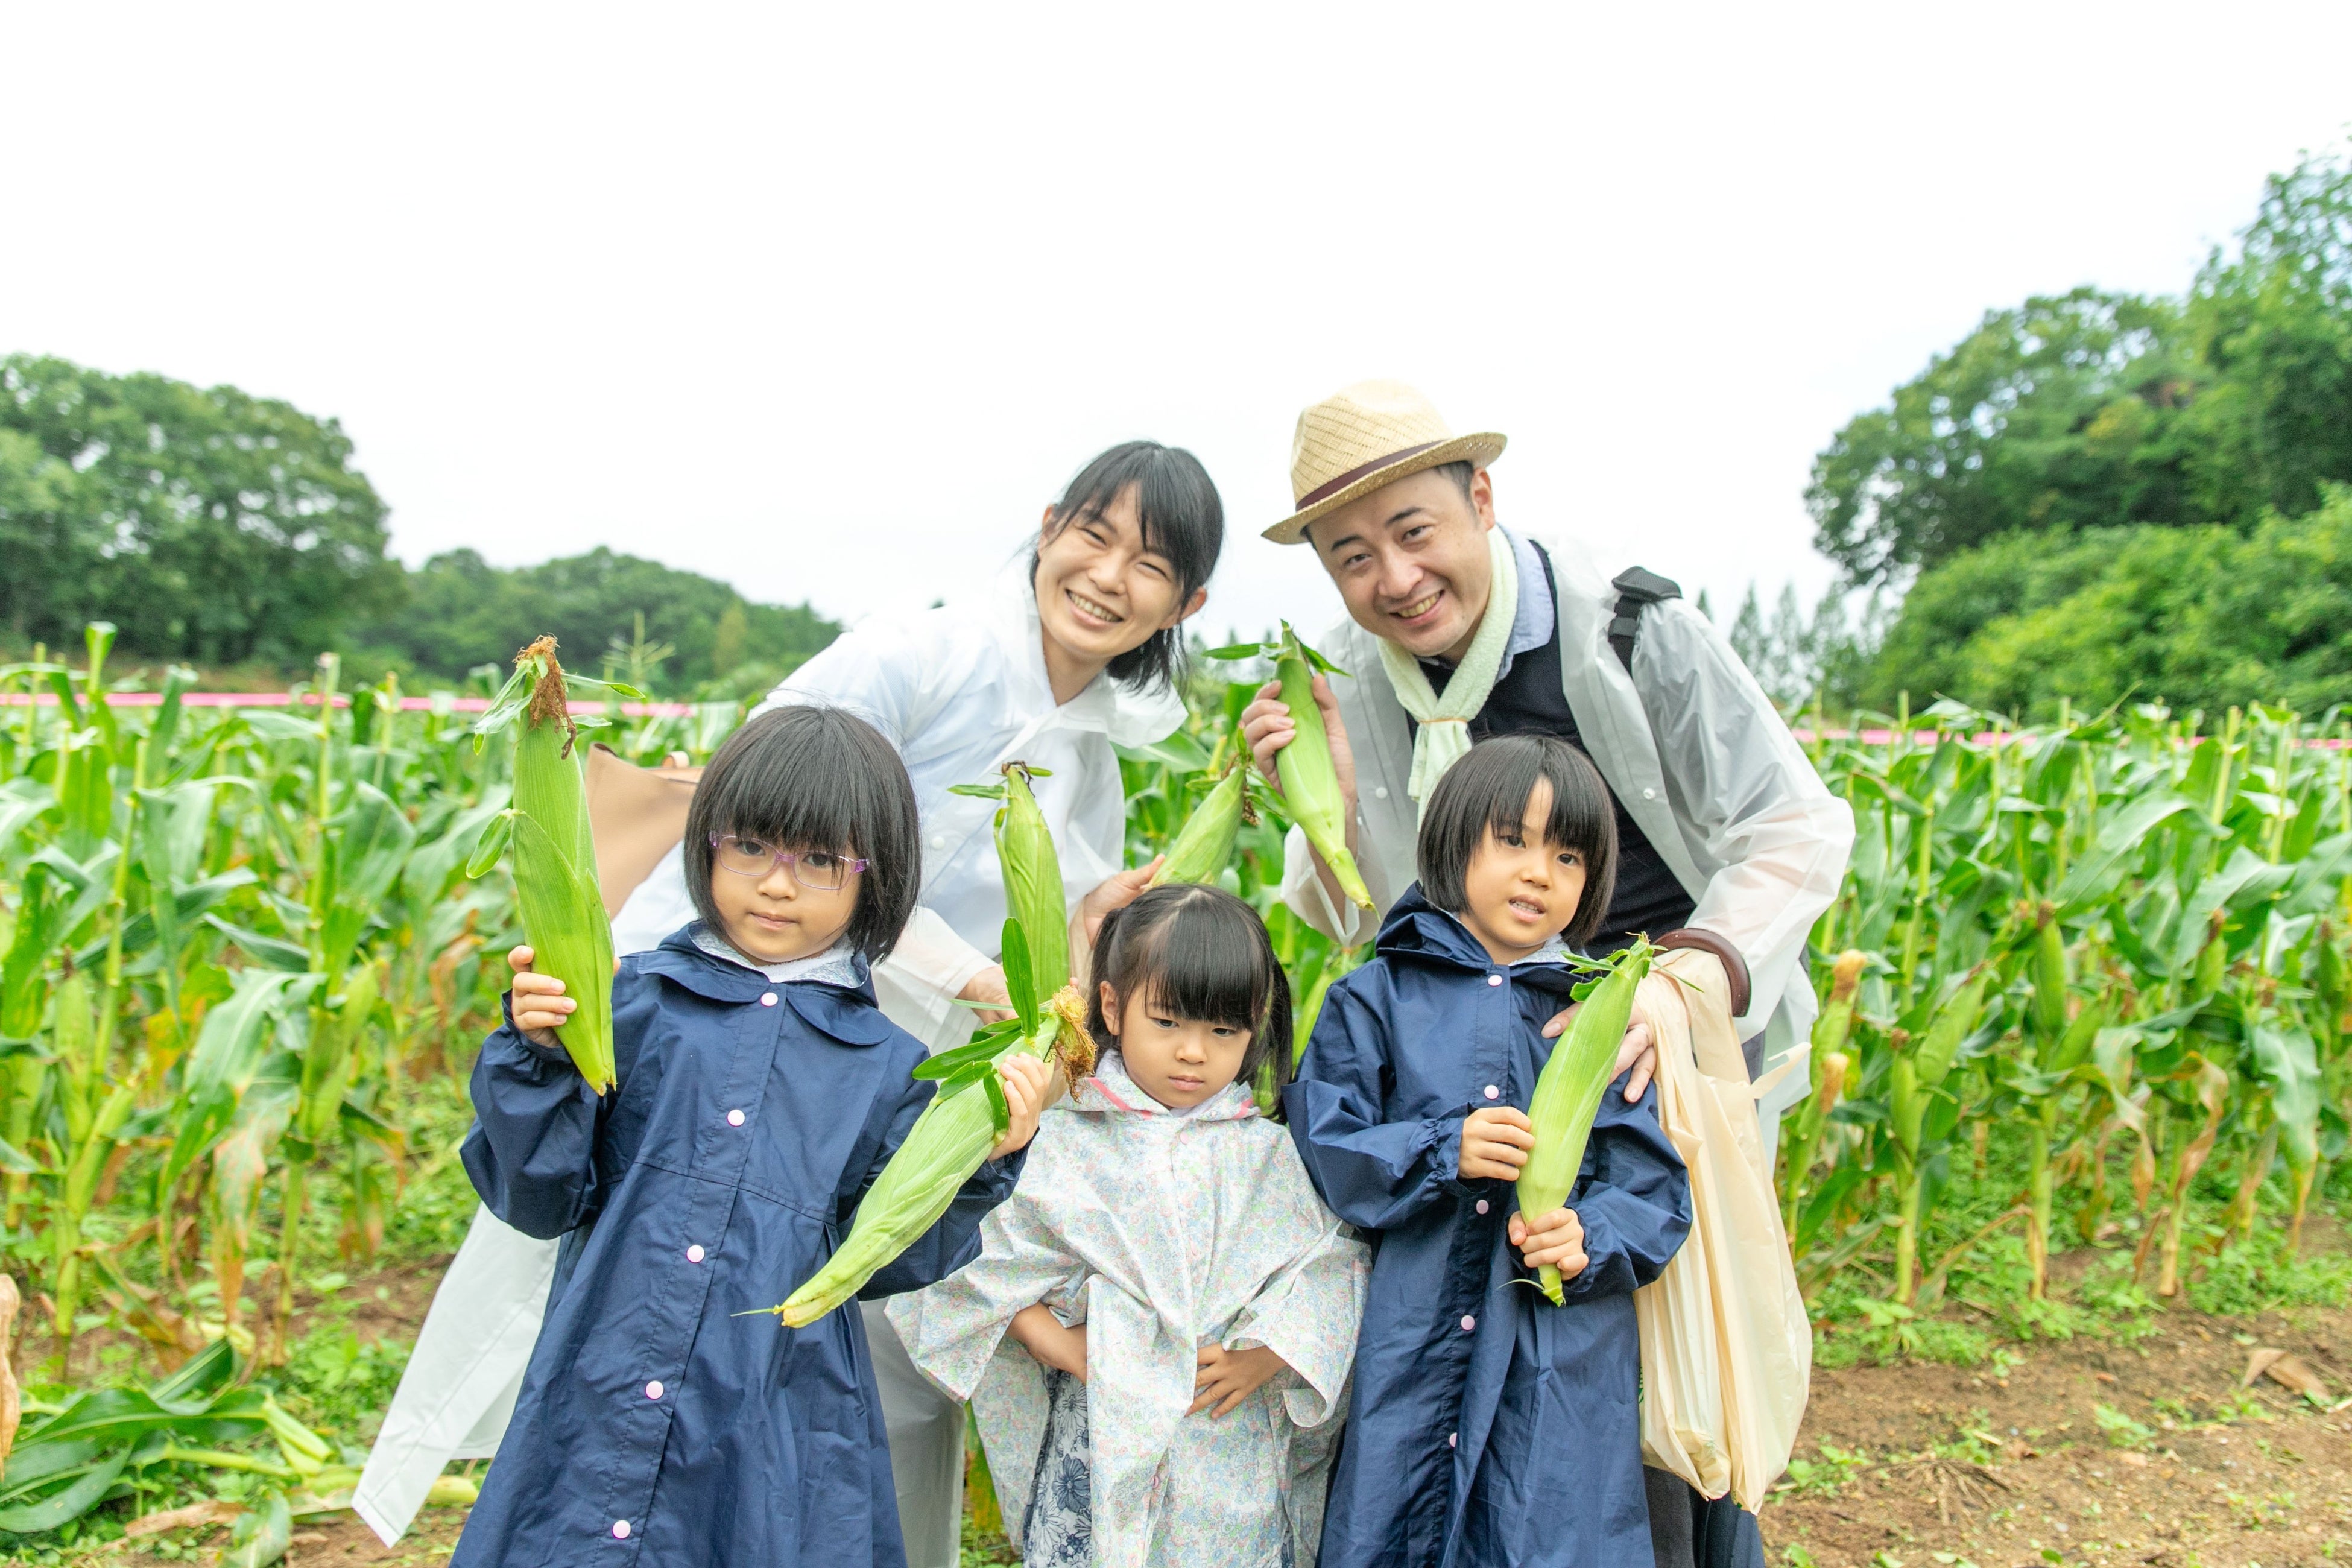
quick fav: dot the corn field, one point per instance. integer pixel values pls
(239, 953)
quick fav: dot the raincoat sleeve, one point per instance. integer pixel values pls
(1633, 1196)
(953, 1240)
(1308, 1312)
(952, 1329)
(895, 679)
(1373, 1173)
(1741, 784)
(533, 1149)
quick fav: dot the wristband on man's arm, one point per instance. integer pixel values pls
(1735, 968)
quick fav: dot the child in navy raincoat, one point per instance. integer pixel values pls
(761, 1092)
(1486, 1427)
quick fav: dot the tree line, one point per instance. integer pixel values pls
(2095, 494)
(225, 531)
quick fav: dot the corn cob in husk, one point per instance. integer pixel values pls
(563, 905)
(1310, 784)
(1204, 844)
(1568, 1090)
(948, 1142)
(1032, 879)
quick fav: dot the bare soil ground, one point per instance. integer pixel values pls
(2153, 1452)
(2101, 1453)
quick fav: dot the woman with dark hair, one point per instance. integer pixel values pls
(1073, 650)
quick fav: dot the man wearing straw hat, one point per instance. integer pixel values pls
(1460, 629)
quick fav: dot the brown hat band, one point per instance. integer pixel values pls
(1334, 486)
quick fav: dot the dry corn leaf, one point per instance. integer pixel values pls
(2257, 1362)
(211, 1510)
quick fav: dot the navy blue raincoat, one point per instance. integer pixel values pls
(1486, 1427)
(655, 1425)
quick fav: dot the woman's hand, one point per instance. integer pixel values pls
(988, 988)
(1228, 1377)
(539, 1004)
(1116, 892)
(1495, 1142)
(1556, 1238)
(1637, 1050)
(1048, 1342)
(1028, 1089)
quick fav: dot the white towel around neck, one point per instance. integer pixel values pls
(1442, 721)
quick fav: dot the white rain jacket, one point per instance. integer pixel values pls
(1691, 745)
(1162, 1232)
(956, 690)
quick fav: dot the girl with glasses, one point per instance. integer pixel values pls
(761, 1091)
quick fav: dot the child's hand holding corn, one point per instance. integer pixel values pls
(1495, 1143)
(1556, 1239)
(1028, 1089)
(540, 1006)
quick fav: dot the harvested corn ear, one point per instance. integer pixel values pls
(554, 856)
(1567, 1092)
(1204, 844)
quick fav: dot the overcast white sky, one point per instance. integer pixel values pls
(829, 303)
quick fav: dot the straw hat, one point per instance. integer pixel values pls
(1362, 438)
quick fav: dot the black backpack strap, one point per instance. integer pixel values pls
(1635, 588)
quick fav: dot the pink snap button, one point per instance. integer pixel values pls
(1482, 1205)
(1469, 1323)
(767, 999)
(653, 1389)
(1453, 1438)
(1494, 1093)
(1494, 980)
(694, 1253)
(734, 1119)
(620, 1530)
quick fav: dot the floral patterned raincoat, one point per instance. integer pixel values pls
(1163, 1232)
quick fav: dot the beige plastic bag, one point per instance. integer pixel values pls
(1727, 1349)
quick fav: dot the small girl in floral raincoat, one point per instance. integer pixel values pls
(1157, 1334)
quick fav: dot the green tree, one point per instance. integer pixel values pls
(2199, 618)
(210, 524)
(461, 612)
(2063, 412)
(2273, 326)
(2096, 410)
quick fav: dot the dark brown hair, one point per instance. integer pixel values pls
(814, 778)
(1488, 789)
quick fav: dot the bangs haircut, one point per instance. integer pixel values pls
(814, 778)
(1488, 789)
(1183, 519)
(1198, 953)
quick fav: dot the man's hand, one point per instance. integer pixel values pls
(1495, 1143)
(1556, 1238)
(1637, 1050)
(1038, 1332)
(1267, 725)
(1028, 1089)
(988, 987)
(1232, 1376)
(540, 1006)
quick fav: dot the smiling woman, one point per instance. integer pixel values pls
(1131, 544)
